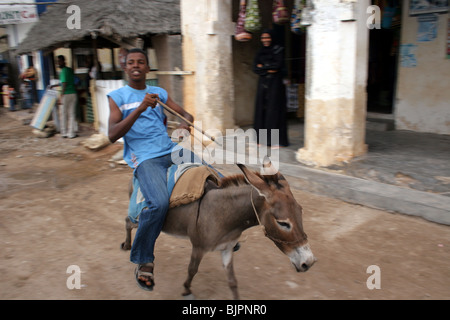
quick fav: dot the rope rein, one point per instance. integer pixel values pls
(254, 210)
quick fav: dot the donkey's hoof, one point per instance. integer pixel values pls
(125, 246)
(188, 296)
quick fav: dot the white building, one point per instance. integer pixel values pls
(338, 56)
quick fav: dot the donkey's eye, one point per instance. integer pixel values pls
(284, 224)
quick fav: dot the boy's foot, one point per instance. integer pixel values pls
(144, 276)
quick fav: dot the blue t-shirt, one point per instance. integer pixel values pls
(148, 137)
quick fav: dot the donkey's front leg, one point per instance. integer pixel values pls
(128, 227)
(196, 257)
(227, 260)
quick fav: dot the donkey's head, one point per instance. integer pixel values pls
(281, 216)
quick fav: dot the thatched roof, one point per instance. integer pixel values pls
(113, 20)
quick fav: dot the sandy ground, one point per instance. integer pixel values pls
(62, 204)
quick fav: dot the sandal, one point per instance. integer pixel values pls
(139, 273)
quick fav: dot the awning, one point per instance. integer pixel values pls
(113, 21)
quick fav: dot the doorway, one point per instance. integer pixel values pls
(383, 57)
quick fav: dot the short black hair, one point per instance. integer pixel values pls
(62, 57)
(137, 50)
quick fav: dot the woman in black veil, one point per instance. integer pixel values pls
(270, 105)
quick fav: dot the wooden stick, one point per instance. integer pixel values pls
(186, 120)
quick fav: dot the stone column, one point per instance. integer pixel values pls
(207, 30)
(335, 97)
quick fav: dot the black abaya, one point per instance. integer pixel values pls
(270, 105)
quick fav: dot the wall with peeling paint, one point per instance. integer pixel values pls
(423, 86)
(336, 71)
(207, 51)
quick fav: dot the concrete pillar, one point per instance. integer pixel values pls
(336, 70)
(207, 30)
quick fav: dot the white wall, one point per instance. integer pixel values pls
(423, 91)
(336, 74)
(102, 88)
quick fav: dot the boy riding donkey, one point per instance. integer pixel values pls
(136, 116)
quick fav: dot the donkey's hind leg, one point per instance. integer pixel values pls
(128, 227)
(196, 257)
(227, 260)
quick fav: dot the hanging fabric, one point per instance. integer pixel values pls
(296, 17)
(241, 34)
(280, 13)
(252, 17)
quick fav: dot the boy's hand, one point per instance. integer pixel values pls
(149, 101)
(184, 126)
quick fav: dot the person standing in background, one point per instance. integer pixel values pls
(30, 75)
(270, 104)
(12, 98)
(69, 100)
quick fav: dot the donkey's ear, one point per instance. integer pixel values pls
(255, 180)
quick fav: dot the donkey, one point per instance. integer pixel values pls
(216, 221)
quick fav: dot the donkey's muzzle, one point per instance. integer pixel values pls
(304, 266)
(302, 258)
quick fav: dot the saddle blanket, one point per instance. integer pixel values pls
(185, 184)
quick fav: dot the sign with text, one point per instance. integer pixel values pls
(18, 14)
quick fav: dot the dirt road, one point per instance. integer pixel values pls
(62, 205)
